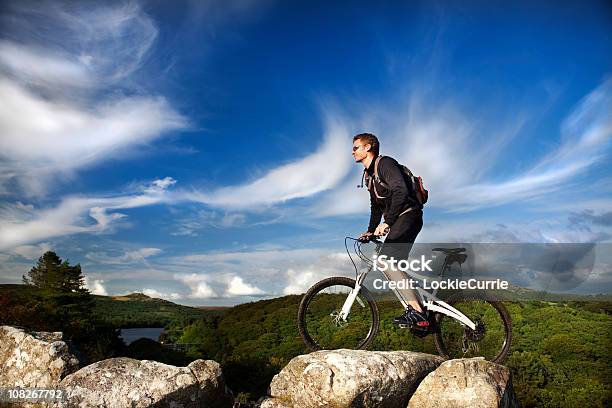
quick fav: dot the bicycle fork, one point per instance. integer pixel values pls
(350, 299)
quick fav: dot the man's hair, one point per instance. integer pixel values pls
(369, 138)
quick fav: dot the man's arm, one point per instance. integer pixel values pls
(390, 173)
(375, 214)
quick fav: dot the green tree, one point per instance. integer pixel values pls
(50, 273)
(64, 304)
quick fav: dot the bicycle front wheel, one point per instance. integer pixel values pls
(493, 334)
(319, 322)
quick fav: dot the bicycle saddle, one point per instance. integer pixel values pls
(449, 251)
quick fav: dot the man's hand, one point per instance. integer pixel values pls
(381, 230)
(365, 237)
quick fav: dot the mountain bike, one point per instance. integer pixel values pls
(340, 312)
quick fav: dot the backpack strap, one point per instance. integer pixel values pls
(376, 177)
(371, 183)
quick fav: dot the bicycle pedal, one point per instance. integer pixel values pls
(419, 332)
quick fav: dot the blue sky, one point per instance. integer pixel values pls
(201, 151)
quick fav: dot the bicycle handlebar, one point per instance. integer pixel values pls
(369, 238)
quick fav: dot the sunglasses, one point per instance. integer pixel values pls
(357, 147)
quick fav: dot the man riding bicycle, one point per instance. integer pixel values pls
(391, 197)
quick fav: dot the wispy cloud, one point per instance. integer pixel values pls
(587, 216)
(585, 139)
(200, 221)
(454, 151)
(128, 257)
(300, 178)
(446, 162)
(31, 252)
(488, 229)
(68, 67)
(20, 225)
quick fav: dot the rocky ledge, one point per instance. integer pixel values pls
(389, 379)
(334, 378)
(43, 360)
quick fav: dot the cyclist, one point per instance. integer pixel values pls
(390, 196)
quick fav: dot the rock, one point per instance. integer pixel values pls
(471, 382)
(211, 384)
(33, 359)
(125, 382)
(350, 378)
(274, 403)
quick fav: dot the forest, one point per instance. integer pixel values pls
(560, 355)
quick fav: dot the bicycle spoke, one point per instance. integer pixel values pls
(489, 340)
(321, 322)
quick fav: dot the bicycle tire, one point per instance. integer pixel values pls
(498, 306)
(322, 285)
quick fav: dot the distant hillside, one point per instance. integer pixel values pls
(133, 310)
(132, 296)
(139, 310)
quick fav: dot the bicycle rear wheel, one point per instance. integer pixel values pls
(318, 316)
(492, 337)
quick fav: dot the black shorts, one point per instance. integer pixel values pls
(402, 235)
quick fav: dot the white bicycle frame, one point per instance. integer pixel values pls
(428, 300)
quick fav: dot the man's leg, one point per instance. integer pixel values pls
(399, 251)
(398, 245)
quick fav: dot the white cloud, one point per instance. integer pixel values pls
(96, 286)
(65, 137)
(158, 186)
(300, 178)
(160, 295)
(201, 221)
(233, 274)
(128, 257)
(585, 136)
(237, 287)
(72, 215)
(69, 71)
(298, 280)
(39, 66)
(485, 229)
(453, 151)
(77, 44)
(200, 289)
(32, 252)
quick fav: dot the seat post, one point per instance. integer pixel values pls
(448, 252)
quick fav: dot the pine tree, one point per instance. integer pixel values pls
(50, 273)
(61, 302)
(45, 275)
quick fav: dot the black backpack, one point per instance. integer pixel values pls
(416, 189)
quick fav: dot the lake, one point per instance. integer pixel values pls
(135, 333)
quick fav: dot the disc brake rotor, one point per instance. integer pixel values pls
(337, 319)
(471, 337)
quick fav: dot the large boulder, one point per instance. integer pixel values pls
(33, 359)
(350, 378)
(125, 382)
(472, 382)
